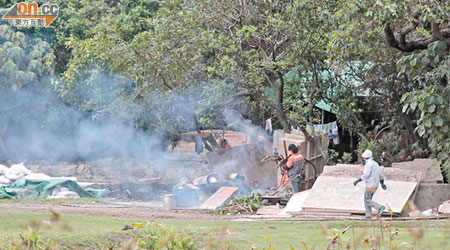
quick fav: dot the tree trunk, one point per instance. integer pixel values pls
(280, 110)
(313, 139)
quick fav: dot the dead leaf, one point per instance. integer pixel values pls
(304, 245)
(54, 215)
(138, 225)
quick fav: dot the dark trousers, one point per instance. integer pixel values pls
(296, 186)
(368, 202)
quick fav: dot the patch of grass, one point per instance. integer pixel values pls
(80, 232)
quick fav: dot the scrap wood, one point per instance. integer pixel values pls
(218, 198)
(150, 179)
(330, 218)
(317, 213)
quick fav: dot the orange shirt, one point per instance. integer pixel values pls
(294, 158)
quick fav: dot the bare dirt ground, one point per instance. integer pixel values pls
(155, 210)
(141, 210)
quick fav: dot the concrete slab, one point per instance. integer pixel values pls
(431, 171)
(295, 204)
(339, 194)
(431, 195)
(218, 198)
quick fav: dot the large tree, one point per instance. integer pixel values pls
(406, 45)
(246, 46)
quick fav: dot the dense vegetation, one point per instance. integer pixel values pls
(172, 66)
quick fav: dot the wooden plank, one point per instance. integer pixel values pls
(218, 198)
(336, 193)
(318, 214)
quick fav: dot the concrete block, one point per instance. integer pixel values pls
(431, 195)
(431, 171)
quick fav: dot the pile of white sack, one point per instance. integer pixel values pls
(8, 175)
(15, 172)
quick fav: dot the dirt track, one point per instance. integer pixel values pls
(154, 210)
(147, 210)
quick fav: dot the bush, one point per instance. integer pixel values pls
(157, 237)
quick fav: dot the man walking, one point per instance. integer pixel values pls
(295, 167)
(372, 176)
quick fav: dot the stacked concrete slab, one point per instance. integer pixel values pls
(334, 191)
(414, 183)
(432, 192)
(430, 169)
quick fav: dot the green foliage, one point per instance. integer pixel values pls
(411, 95)
(433, 105)
(84, 19)
(173, 65)
(242, 205)
(421, 62)
(32, 240)
(389, 148)
(136, 67)
(346, 158)
(24, 61)
(157, 237)
(430, 67)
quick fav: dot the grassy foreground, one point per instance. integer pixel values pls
(78, 232)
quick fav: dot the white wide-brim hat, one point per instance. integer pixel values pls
(367, 154)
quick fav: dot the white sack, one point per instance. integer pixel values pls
(59, 189)
(4, 180)
(64, 194)
(3, 169)
(37, 177)
(12, 176)
(20, 169)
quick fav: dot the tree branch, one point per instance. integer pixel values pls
(437, 34)
(231, 99)
(436, 31)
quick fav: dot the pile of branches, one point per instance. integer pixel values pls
(242, 205)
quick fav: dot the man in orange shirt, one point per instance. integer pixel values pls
(295, 167)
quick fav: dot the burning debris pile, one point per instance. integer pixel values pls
(199, 192)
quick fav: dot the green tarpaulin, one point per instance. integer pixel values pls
(31, 189)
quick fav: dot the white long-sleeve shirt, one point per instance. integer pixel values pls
(372, 174)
